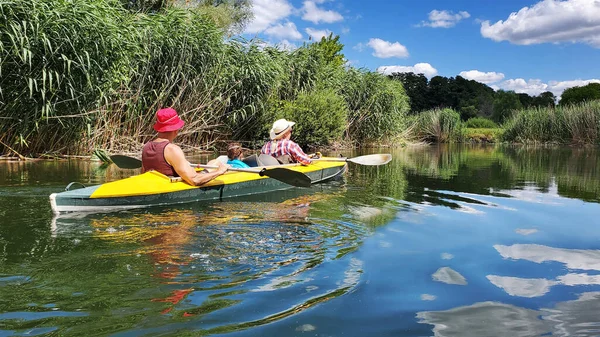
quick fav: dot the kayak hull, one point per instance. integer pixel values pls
(153, 189)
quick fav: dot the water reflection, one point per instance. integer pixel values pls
(485, 319)
(578, 317)
(201, 262)
(449, 276)
(572, 258)
(445, 241)
(586, 259)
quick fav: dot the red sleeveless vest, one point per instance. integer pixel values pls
(153, 158)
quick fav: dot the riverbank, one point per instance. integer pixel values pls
(577, 124)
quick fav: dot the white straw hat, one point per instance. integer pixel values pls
(279, 128)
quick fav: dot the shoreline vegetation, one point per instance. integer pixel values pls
(76, 76)
(81, 75)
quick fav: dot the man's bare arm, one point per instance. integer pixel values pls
(174, 156)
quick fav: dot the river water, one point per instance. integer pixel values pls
(442, 241)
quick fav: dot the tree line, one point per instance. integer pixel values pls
(468, 97)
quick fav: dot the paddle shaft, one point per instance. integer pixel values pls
(370, 160)
(229, 169)
(330, 159)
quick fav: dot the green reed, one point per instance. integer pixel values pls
(79, 75)
(572, 124)
(438, 126)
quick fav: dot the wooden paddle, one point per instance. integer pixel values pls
(371, 160)
(285, 175)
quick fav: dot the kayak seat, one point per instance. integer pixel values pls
(251, 160)
(260, 160)
(267, 160)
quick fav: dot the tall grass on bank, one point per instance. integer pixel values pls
(378, 106)
(437, 126)
(76, 75)
(572, 124)
(58, 59)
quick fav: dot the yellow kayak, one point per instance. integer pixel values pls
(153, 188)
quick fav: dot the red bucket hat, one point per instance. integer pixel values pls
(168, 120)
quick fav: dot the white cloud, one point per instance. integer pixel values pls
(549, 21)
(444, 19)
(562, 85)
(385, 49)
(286, 30)
(535, 87)
(476, 75)
(315, 14)
(317, 34)
(266, 13)
(419, 68)
(360, 47)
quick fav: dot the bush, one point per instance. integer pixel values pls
(320, 117)
(480, 123)
(438, 125)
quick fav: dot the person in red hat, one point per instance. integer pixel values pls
(167, 158)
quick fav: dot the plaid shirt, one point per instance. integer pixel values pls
(286, 147)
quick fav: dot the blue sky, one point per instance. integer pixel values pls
(523, 45)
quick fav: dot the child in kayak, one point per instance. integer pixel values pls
(235, 154)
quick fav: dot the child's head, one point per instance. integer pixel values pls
(234, 151)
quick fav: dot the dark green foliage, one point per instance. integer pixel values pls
(505, 102)
(545, 99)
(416, 87)
(320, 117)
(470, 98)
(480, 123)
(580, 94)
(145, 5)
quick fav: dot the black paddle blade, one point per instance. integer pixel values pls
(287, 176)
(126, 162)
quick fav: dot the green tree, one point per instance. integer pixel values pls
(441, 92)
(574, 95)
(416, 87)
(545, 99)
(505, 102)
(472, 98)
(331, 49)
(526, 100)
